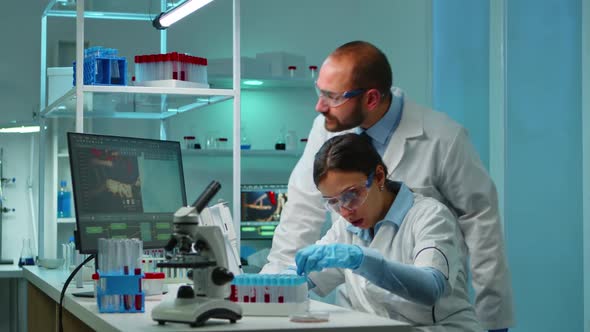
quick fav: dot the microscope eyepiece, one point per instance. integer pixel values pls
(206, 196)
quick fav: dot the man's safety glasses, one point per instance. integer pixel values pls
(351, 198)
(333, 99)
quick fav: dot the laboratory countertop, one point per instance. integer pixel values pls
(341, 319)
(10, 271)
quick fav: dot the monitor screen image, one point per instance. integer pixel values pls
(262, 205)
(125, 187)
(262, 202)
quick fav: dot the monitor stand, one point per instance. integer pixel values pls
(89, 294)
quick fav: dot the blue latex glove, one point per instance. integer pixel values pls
(291, 269)
(318, 257)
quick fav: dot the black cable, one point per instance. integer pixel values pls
(63, 290)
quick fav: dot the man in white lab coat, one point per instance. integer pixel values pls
(422, 148)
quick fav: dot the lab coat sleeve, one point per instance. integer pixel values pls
(437, 239)
(304, 214)
(424, 285)
(471, 192)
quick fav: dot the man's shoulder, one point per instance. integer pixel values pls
(434, 123)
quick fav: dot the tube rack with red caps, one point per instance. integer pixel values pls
(119, 293)
(118, 278)
(170, 66)
(270, 294)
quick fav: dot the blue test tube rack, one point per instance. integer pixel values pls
(119, 293)
(101, 65)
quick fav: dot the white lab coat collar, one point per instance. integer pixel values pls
(397, 212)
(411, 125)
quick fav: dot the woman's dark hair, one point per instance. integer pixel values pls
(348, 152)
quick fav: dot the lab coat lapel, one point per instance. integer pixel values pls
(411, 125)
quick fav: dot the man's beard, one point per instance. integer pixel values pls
(356, 118)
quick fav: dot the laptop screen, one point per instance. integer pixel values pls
(125, 187)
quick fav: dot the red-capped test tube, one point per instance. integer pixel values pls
(313, 70)
(292, 70)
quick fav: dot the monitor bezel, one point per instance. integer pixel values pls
(71, 136)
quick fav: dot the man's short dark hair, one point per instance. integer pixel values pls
(371, 67)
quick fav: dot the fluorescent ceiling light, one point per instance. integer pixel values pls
(252, 82)
(166, 19)
(20, 130)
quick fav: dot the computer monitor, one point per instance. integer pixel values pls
(125, 187)
(261, 205)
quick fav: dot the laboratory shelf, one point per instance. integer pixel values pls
(123, 102)
(109, 10)
(244, 153)
(222, 82)
(63, 221)
(156, 90)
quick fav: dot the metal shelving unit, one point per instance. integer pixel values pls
(244, 153)
(129, 102)
(267, 82)
(132, 102)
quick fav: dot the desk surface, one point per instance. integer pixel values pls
(51, 282)
(10, 271)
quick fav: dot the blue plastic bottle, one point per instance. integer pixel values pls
(64, 199)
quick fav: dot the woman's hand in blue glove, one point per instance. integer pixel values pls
(318, 257)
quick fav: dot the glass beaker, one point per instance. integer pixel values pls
(189, 142)
(280, 144)
(26, 254)
(211, 140)
(223, 143)
(291, 140)
(244, 140)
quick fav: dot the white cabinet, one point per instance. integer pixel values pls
(79, 107)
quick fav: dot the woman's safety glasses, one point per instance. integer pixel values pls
(351, 198)
(333, 99)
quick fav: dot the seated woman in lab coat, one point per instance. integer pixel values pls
(401, 255)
